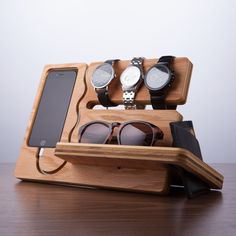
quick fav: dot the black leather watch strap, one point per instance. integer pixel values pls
(166, 59)
(104, 99)
(102, 93)
(158, 97)
(112, 61)
(158, 102)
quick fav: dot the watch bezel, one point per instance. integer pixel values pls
(111, 78)
(169, 80)
(133, 85)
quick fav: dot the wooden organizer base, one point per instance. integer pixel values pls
(148, 158)
(130, 168)
(153, 180)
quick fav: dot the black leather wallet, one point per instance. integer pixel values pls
(184, 137)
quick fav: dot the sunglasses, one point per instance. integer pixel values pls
(138, 133)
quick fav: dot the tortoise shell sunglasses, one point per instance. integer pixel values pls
(140, 133)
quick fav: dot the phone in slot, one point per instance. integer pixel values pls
(52, 109)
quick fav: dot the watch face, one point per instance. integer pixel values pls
(157, 77)
(130, 76)
(102, 75)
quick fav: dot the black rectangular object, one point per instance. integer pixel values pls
(184, 137)
(53, 107)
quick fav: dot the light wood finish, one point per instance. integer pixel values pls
(159, 118)
(78, 93)
(32, 209)
(109, 177)
(141, 157)
(128, 178)
(177, 94)
(139, 175)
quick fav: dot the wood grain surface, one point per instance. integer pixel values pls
(177, 94)
(128, 178)
(35, 209)
(125, 156)
(146, 175)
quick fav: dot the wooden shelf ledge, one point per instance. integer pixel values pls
(138, 157)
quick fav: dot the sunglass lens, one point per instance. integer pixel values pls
(95, 133)
(136, 133)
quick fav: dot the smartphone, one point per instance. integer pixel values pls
(53, 107)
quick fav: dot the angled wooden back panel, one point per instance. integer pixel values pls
(176, 95)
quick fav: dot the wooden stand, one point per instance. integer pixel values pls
(130, 168)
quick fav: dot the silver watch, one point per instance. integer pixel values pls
(131, 79)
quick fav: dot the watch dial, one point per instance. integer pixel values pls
(157, 77)
(130, 76)
(102, 75)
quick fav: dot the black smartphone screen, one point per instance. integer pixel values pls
(52, 109)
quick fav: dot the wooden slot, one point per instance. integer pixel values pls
(158, 118)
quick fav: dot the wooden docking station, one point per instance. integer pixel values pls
(109, 166)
